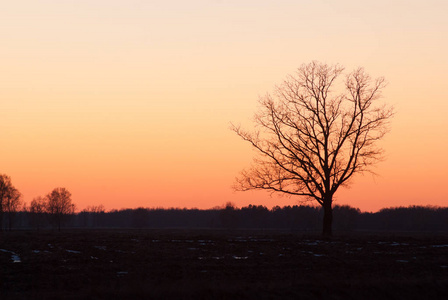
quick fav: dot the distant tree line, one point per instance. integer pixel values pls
(291, 218)
(55, 208)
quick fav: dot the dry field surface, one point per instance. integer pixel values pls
(203, 264)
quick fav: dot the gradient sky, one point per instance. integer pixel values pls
(128, 103)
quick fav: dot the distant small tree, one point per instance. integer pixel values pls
(228, 215)
(59, 206)
(96, 209)
(5, 184)
(12, 204)
(37, 210)
(92, 214)
(10, 199)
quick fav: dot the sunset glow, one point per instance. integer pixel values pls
(129, 103)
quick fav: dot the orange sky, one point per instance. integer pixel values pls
(128, 103)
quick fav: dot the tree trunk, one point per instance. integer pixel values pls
(328, 219)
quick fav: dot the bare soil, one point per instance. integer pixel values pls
(206, 264)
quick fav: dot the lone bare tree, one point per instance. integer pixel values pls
(315, 133)
(59, 205)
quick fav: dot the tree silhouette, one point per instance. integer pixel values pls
(37, 211)
(10, 199)
(12, 204)
(59, 205)
(228, 217)
(5, 184)
(315, 133)
(92, 214)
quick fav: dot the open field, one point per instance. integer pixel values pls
(202, 264)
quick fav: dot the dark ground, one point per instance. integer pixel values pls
(202, 264)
